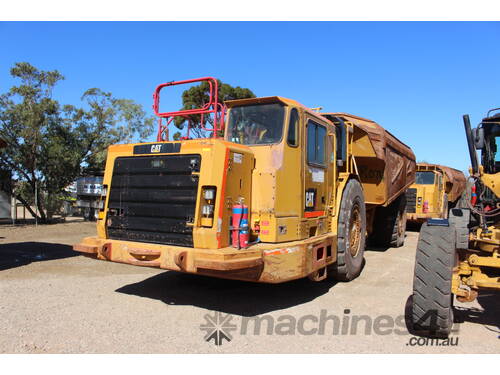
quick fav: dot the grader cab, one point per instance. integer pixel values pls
(460, 256)
(276, 192)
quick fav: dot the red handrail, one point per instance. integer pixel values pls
(213, 107)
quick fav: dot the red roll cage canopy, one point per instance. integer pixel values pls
(212, 109)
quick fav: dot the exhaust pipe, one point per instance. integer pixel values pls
(470, 143)
(475, 169)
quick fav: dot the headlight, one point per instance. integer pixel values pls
(209, 193)
(207, 210)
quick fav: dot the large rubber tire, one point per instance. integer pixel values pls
(351, 239)
(389, 229)
(399, 230)
(432, 301)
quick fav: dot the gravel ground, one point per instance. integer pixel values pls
(55, 301)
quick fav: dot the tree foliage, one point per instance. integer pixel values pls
(197, 96)
(49, 145)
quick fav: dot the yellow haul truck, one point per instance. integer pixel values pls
(460, 256)
(313, 184)
(437, 188)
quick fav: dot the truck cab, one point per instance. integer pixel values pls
(437, 188)
(293, 174)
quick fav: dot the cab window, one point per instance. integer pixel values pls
(315, 143)
(425, 178)
(293, 127)
(256, 124)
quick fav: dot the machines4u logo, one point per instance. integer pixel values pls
(218, 327)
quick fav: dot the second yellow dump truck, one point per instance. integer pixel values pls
(437, 188)
(314, 185)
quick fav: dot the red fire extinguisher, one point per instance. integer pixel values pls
(473, 195)
(425, 208)
(240, 232)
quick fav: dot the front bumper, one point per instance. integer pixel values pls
(268, 263)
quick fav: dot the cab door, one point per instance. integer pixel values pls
(315, 171)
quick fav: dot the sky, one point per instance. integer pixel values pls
(416, 79)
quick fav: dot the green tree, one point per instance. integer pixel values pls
(49, 145)
(108, 121)
(197, 96)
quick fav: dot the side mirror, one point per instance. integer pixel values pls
(478, 134)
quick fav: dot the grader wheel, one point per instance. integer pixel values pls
(432, 302)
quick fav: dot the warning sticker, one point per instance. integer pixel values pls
(318, 175)
(238, 158)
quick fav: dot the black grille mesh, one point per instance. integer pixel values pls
(411, 200)
(153, 199)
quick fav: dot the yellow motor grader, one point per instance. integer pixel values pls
(460, 256)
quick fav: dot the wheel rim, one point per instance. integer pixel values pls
(355, 230)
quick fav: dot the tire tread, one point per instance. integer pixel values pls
(432, 280)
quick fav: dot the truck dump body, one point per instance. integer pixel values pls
(386, 165)
(455, 181)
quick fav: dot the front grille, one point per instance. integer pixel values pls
(411, 200)
(153, 199)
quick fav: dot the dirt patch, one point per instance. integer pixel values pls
(53, 300)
